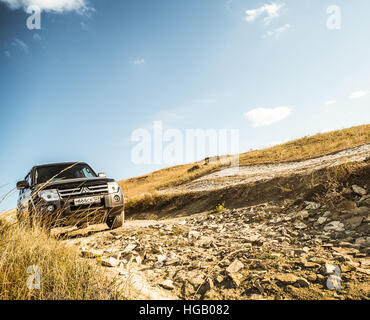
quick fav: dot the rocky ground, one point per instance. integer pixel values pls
(283, 250)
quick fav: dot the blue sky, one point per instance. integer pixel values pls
(97, 70)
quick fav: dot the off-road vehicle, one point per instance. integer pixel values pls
(69, 193)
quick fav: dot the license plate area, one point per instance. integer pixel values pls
(87, 200)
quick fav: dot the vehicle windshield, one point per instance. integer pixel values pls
(62, 172)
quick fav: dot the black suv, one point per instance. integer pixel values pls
(69, 193)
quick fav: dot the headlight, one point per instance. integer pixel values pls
(113, 187)
(49, 195)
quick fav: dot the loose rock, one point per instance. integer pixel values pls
(360, 191)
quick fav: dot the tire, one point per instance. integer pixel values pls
(116, 221)
(37, 220)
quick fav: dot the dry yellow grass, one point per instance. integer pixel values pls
(310, 147)
(300, 149)
(63, 274)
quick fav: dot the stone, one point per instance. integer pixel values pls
(361, 211)
(302, 283)
(167, 284)
(158, 265)
(321, 220)
(362, 241)
(360, 191)
(347, 205)
(312, 277)
(312, 205)
(320, 278)
(354, 222)
(310, 265)
(172, 261)
(363, 270)
(193, 234)
(219, 279)
(304, 214)
(330, 269)
(347, 268)
(326, 214)
(345, 251)
(365, 262)
(365, 201)
(252, 239)
(300, 225)
(236, 279)
(205, 242)
(235, 266)
(334, 226)
(287, 278)
(194, 277)
(129, 248)
(161, 258)
(301, 251)
(109, 262)
(187, 289)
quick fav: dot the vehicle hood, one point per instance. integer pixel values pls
(76, 183)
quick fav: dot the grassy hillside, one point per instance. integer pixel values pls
(63, 274)
(300, 149)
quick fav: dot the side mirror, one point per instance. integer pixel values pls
(22, 185)
(102, 175)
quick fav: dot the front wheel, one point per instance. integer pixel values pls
(116, 221)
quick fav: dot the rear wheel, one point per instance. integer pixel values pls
(22, 218)
(116, 221)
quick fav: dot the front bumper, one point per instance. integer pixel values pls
(66, 212)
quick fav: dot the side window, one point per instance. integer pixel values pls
(29, 179)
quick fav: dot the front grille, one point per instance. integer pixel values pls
(83, 191)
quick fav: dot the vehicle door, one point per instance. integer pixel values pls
(25, 194)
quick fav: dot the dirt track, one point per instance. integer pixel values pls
(248, 174)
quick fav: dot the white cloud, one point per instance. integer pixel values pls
(7, 54)
(20, 45)
(359, 94)
(277, 31)
(57, 6)
(266, 116)
(139, 61)
(330, 102)
(271, 11)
